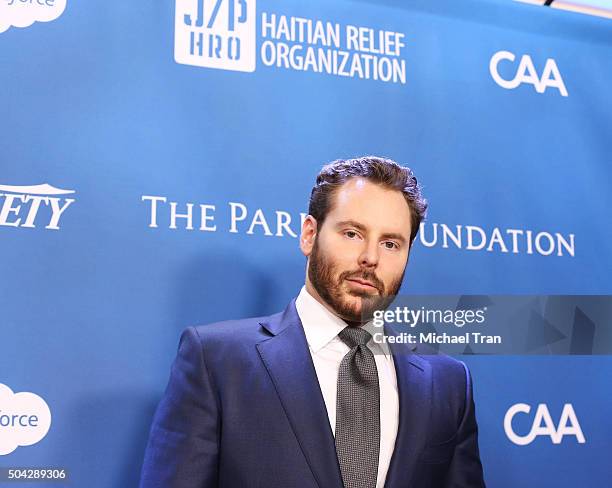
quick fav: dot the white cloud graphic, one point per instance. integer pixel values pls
(25, 419)
(23, 13)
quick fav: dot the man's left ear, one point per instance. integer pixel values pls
(308, 235)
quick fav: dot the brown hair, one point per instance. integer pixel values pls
(382, 171)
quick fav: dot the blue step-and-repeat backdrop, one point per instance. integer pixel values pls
(156, 160)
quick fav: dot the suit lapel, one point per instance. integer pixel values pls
(287, 358)
(414, 383)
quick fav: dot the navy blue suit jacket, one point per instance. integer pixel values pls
(243, 408)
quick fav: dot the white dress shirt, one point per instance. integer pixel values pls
(327, 350)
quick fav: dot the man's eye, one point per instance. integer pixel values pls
(351, 234)
(391, 245)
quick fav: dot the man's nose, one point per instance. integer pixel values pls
(369, 255)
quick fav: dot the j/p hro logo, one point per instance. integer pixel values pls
(216, 34)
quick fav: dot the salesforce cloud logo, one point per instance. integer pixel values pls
(25, 419)
(23, 13)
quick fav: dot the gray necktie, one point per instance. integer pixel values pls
(358, 412)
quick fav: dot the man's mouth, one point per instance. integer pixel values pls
(362, 283)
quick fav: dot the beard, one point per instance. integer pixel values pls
(322, 272)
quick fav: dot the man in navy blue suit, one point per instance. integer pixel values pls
(306, 398)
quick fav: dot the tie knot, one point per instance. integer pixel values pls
(354, 336)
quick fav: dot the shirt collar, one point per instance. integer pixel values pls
(322, 326)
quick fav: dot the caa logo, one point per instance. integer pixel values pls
(25, 419)
(543, 424)
(23, 13)
(526, 73)
(215, 34)
(33, 198)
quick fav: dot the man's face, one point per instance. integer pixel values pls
(359, 255)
